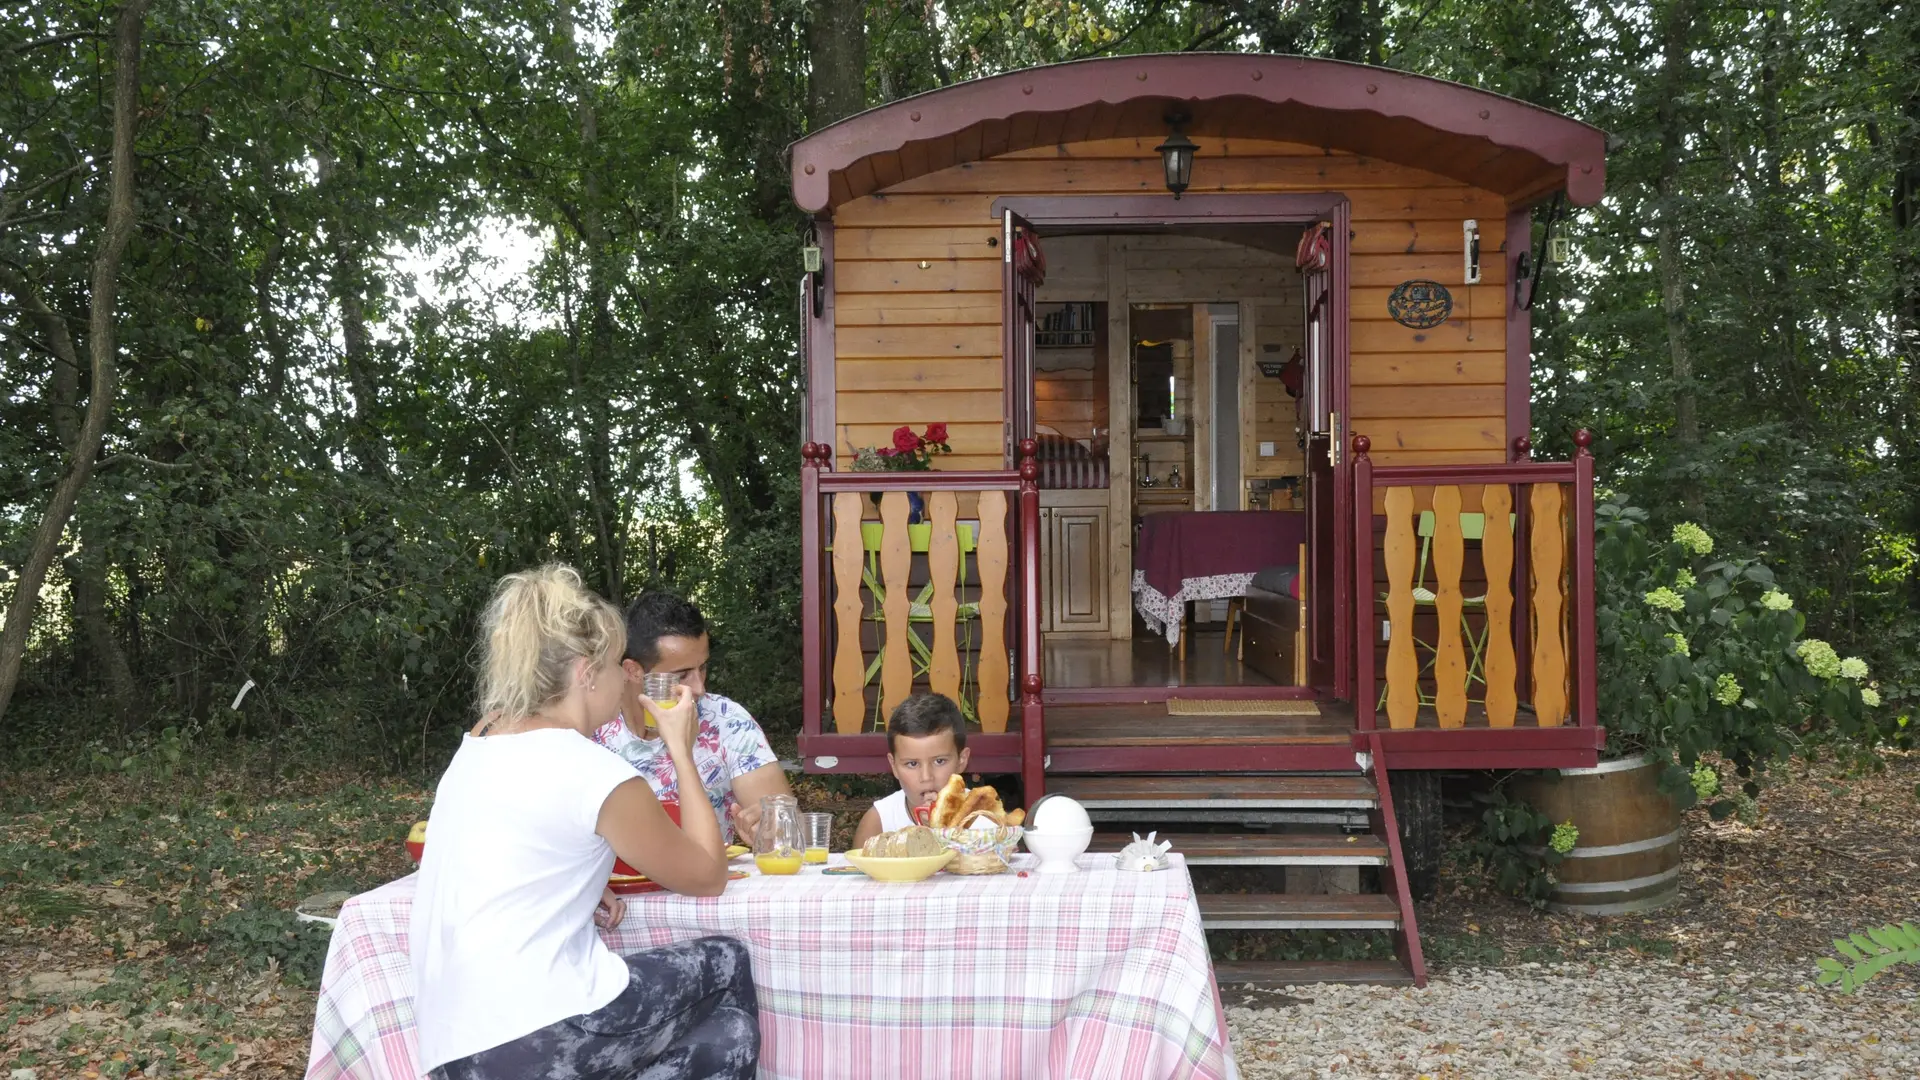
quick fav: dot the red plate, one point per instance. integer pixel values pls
(637, 884)
(620, 867)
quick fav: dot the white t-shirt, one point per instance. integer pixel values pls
(893, 811)
(503, 941)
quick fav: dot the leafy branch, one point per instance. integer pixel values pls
(1868, 954)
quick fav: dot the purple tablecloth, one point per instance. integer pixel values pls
(1206, 555)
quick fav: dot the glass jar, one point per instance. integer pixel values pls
(778, 843)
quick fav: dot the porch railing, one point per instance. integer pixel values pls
(1484, 576)
(949, 604)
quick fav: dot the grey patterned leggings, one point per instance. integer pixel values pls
(688, 1012)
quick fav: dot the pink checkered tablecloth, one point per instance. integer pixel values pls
(1092, 975)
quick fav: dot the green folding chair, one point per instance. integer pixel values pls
(1473, 528)
(920, 608)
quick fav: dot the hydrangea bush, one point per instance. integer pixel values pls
(1700, 655)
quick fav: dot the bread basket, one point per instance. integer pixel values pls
(980, 851)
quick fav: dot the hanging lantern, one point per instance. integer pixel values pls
(1176, 154)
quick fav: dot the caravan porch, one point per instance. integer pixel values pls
(1471, 653)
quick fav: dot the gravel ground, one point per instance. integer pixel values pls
(1650, 1019)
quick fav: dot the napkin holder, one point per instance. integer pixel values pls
(1144, 856)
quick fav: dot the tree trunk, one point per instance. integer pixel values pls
(1675, 72)
(1355, 31)
(101, 345)
(1782, 288)
(589, 406)
(87, 572)
(349, 287)
(1906, 313)
(837, 58)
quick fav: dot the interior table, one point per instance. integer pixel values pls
(1103, 973)
(1206, 555)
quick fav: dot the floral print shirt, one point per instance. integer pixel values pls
(729, 745)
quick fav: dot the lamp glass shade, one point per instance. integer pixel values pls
(1176, 154)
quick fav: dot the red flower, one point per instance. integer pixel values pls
(886, 451)
(937, 433)
(905, 441)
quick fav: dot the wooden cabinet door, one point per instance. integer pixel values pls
(1076, 581)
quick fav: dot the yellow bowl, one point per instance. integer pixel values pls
(917, 868)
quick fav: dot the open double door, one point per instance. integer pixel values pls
(1322, 260)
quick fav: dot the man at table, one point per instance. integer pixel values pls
(667, 633)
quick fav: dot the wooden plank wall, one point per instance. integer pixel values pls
(1279, 331)
(1067, 399)
(918, 292)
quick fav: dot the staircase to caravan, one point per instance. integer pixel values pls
(1280, 792)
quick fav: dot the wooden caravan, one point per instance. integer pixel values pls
(1239, 513)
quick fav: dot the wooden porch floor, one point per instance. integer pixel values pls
(1149, 724)
(1081, 663)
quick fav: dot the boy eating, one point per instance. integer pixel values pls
(926, 745)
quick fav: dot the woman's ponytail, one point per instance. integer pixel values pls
(538, 624)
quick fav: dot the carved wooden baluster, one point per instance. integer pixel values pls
(1549, 556)
(1450, 654)
(1403, 667)
(849, 661)
(990, 557)
(896, 562)
(1496, 550)
(943, 563)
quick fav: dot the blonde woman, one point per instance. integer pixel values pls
(512, 981)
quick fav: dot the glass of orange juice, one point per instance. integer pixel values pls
(819, 830)
(777, 844)
(662, 688)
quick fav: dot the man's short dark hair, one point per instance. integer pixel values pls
(655, 615)
(927, 714)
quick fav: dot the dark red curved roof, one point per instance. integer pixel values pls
(1519, 150)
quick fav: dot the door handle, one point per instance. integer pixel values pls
(1333, 444)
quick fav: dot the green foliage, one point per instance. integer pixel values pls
(424, 294)
(1518, 846)
(1864, 955)
(1741, 682)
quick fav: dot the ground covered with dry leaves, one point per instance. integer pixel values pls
(1718, 986)
(145, 921)
(146, 931)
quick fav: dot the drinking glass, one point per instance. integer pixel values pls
(778, 844)
(819, 829)
(662, 688)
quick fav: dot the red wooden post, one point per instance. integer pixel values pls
(1033, 741)
(1586, 681)
(1523, 576)
(813, 599)
(1365, 701)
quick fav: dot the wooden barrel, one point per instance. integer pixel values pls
(1628, 855)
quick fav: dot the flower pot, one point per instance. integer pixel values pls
(916, 506)
(1628, 855)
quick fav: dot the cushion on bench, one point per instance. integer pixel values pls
(1279, 580)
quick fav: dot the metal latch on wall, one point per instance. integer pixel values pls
(1333, 443)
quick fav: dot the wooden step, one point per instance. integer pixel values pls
(1264, 974)
(1263, 849)
(1298, 911)
(1217, 792)
(1149, 725)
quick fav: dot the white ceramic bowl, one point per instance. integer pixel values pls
(1057, 813)
(1057, 850)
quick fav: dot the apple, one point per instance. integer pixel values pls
(417, 840)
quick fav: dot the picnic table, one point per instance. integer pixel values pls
(1103, 973)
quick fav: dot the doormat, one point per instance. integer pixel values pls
(1215, 707)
